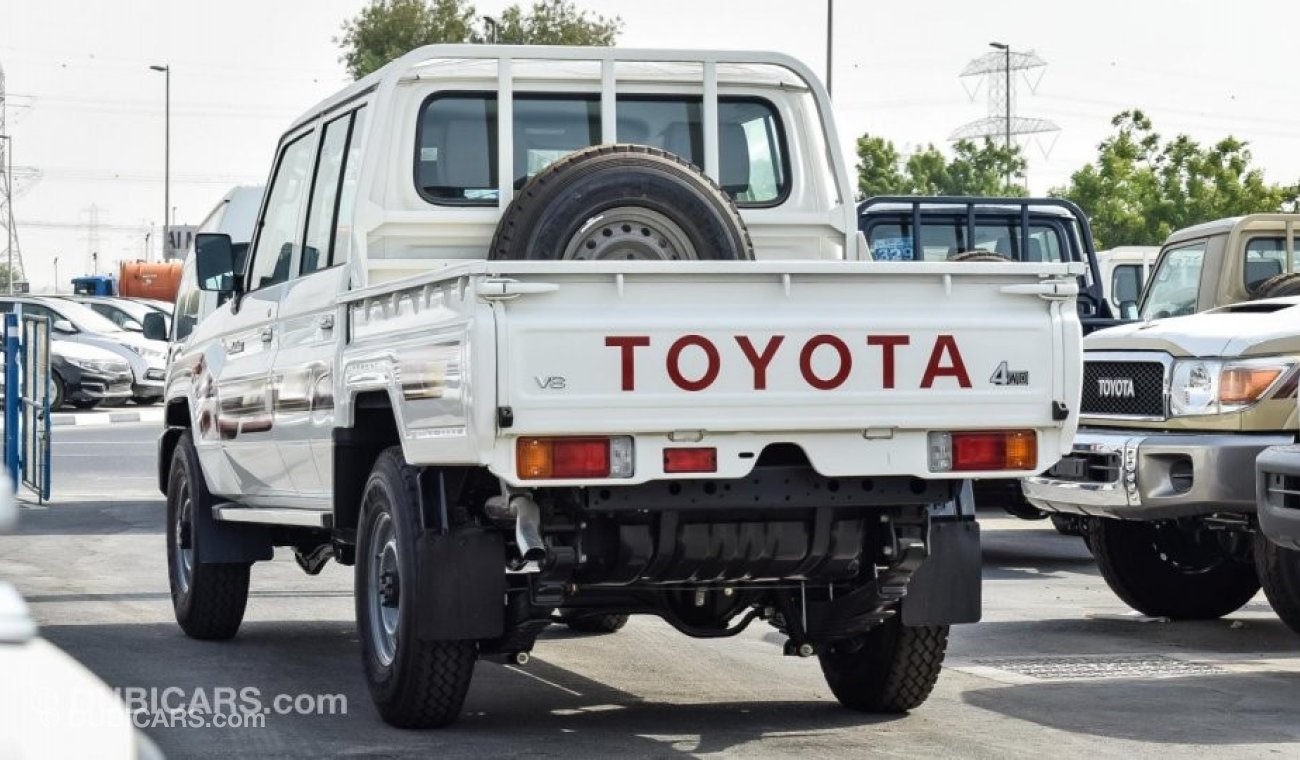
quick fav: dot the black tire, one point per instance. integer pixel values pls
(979, 256)
(85, 403)
(210, 603)
(1285, 284)
(1070, 525)
(146, 400)
(1279, 573)
(1164, 570)
(423, 683)
(893, 671)
(58, 392)
(592, 623)
(565, 199)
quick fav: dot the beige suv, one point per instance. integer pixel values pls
(1219, 263)
(1174, 413)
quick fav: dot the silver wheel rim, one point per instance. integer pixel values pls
(384, 590)
(183, 541)
(630, 233)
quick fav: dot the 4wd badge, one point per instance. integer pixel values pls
(1004, 376)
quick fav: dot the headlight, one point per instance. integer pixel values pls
(98, 365)
(1213, 386)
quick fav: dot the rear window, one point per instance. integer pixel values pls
(943, 238)
(456, 150)
(1265, 258)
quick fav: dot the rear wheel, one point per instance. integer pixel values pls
(890, 669)
(208, 599)
(85, 404)
(1165, 569)
(1279, 573)
(621, 202)
(592, 623)
(414, 683)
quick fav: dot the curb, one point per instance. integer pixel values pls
(66, 419)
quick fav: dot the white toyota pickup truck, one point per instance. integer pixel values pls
(536, 335)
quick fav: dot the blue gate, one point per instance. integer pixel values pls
(27, 403)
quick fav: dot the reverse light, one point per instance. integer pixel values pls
(701, 459)
(977, 450)
(574, 458)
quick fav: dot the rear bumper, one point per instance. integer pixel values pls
(1143, 476)
(1278, 485)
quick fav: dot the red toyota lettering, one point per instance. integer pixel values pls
(627, 344)
(760, 361)
(887, 345)
(710, 372)
(945, 344)
(805, 362)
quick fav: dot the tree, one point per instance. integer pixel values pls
(1140, 189)
(973, 169)
(386, 29)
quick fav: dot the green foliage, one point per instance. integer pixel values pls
(386, 29)
(1140, 189)
(4, 277)
(973, 169)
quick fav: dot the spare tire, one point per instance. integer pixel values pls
(1286, 284)
(979, 256)
(621, 202)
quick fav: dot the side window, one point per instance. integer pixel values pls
(456, 153)
(1175, 283)
(324, 195)
(1265, 258)
(1126, 283)
(278, 235)
(342, 249)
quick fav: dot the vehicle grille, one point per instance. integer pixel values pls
(1283, 490)
(1087, 467)
(1107, 390)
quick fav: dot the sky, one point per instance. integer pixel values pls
(86, 112)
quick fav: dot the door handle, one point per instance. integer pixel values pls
(235, 347)
(267, 333)
(326, 322)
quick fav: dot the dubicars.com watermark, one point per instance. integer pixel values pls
(177, 707)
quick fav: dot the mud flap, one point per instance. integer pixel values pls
(462, 585)
(234, 543)
(946, 588)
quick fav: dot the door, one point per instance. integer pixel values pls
(241, 361)
(309, 325)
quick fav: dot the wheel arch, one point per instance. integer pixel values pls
(356, 447)
(176, 419)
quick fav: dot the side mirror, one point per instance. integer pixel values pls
(1128, 309)
(62, 326)
(155, 326)
(214, 262)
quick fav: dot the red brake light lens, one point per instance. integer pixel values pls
(580, 458)
(976, 450)
(703, 459)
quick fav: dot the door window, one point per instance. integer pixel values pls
(1175, 283)
(1126, 283)
(324, 195)
(278, 235)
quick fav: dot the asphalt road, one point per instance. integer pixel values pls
(1058, 668)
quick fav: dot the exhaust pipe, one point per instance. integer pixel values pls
(528, 528)
(521, 510)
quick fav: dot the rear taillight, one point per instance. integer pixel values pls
(977, 450)
(573, 458)
(701, 459)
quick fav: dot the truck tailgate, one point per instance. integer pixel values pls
(790, 351)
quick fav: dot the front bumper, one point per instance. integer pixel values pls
(1278, 483)
(150, 384)
(1139, 475)
(97, 386)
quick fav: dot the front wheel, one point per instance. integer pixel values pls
(890, 669)
(414, 683)
(1164, 569)
(208, 599)
(1279, 573)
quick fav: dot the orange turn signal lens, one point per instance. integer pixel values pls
(1243, 385)
(533, 458)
